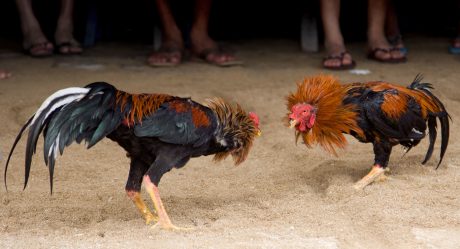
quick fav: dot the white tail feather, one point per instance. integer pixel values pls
(73, 94)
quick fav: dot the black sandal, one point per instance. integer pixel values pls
(372, 55)
(340, 58)
(395, 41)
(44, 52)
(69, 45)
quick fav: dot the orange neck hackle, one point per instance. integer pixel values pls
(236, 123)
(328, 118)
(140, 104)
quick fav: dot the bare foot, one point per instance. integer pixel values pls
(4, 74)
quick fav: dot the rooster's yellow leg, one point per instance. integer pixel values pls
(377, 172)
(140, 204)
(383, 177)
(163, 218)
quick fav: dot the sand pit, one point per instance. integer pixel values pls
(283, 196)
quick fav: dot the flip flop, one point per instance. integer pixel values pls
(340, 58)
(454, 50)
(69, 45)
(168, 53)
(395, 41)
(204, 56)
(372, 55)
(38, 50)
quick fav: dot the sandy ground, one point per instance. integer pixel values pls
(283, 196)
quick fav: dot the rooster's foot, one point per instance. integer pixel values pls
(169, 226)
(150, 218)
(376, 174)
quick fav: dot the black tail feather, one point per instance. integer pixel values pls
(442, 115)
(34, 132)
(51, 170)
(417, 84)
(18, 137)
(71, 114)
(432, 133)
(407, 151)
(444, 119)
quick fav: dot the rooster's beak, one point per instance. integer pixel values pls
(259, 133)
(292, 123)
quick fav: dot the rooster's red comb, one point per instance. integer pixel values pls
(254, 118)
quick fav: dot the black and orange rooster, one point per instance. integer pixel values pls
(380, 113)
(158, 132)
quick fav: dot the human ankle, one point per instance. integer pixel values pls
(333, 47)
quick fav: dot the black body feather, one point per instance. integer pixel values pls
(408, 130)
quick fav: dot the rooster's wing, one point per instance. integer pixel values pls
(181, 122)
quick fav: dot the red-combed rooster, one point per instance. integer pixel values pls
(380, 113)
(158, 132)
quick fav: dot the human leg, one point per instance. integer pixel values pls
(392, 31)
(172, 45)
(338, 57)
(202, 44)
(379, 47)
(63, 36)
(454, 47)
(34, 41)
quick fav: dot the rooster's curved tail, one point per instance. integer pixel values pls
(68, 115)
(440, 112)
